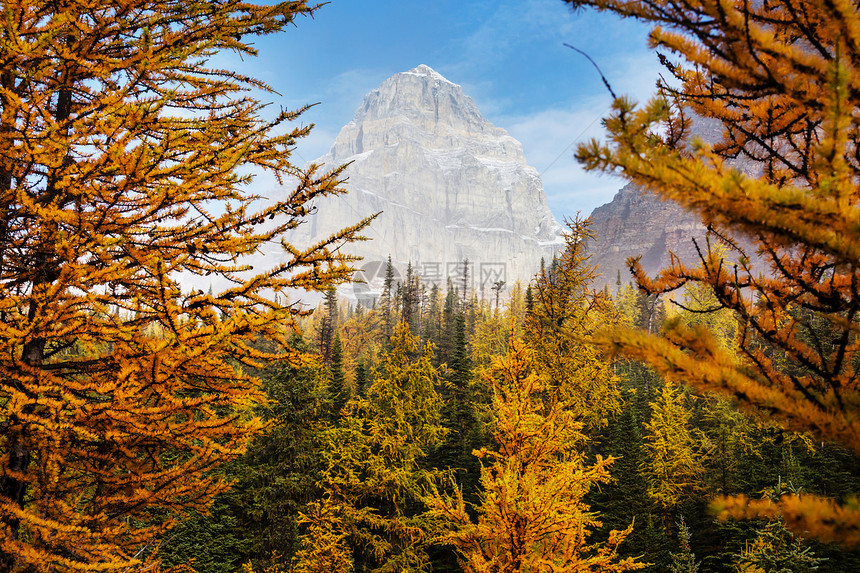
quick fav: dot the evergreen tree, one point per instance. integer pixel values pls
(338, 387)
(362, 378)
(774, 549)
(460, 369)
(410, 300)
(625, 499)
(464, 285)
(370, 511)
(685, 560)
(778, 77)
(432, 326)
(449, 316)
(387, 306)
(125, 164)
(257, 518)
(497, 287)
(327, 326)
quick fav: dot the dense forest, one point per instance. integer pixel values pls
(705, 419)
(444, 429)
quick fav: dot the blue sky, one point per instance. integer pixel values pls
(507, 54)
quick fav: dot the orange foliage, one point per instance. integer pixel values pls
(782, 81)
(124, 162)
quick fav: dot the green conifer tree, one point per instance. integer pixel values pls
(370, 512)
(338, 388)
(684, 561)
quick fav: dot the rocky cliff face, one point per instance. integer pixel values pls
(636, 223)
(450, 186)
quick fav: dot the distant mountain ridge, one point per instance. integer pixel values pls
(636, 223)
(451, 186)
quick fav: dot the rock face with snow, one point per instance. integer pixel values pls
(450, 186)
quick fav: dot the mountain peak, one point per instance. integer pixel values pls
(426, 71)
(448, 186)
(422, 96)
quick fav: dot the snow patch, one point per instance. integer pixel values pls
(425, 71)
(358, 157)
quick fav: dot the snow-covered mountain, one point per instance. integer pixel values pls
(450, 185)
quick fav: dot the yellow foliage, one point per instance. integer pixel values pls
(124, 166)
(564, 314)
(360, 335)
(491, 337)
(673, 467)
(823, 519)
(532, 515)
(323, 546)
(780, 80)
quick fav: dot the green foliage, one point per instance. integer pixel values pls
(256, 519)
(357, 473)
(625, 499)
(338, 389)
(685, 560)
(212, 543)
(370, 514)
(776, 550)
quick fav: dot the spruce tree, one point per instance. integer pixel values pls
(684, 561)
(328, 326)
(257, 518)
(388, 306)
(432, 325)
(338, 388)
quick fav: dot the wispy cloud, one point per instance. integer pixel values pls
(550, 138)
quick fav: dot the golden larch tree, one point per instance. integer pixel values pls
(673, 466)
(781, 80)
(533, 515)
(125, 161)
(565, 312)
